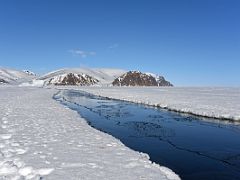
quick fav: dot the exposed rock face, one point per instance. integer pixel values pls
(162, 82)
(136, 78)
(73, 80)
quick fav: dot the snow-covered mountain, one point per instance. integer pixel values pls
(137, 78)
(81, 76)
(73, 80)
(11, 76)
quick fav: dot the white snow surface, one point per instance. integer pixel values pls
(33, 83)
(42, 139)
(104, 75)
(222, 103)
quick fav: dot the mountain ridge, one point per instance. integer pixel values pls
(81, 77)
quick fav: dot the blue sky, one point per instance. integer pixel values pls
(191, 43)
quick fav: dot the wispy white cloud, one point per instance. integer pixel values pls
(113, 46)
(81, 53)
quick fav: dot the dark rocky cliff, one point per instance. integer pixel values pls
(73, 80)
(136, 78)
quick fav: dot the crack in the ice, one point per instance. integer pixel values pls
(201, 154)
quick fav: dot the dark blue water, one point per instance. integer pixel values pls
(193, 147)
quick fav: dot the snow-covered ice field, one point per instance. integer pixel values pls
(41, 139)
(221, 103)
